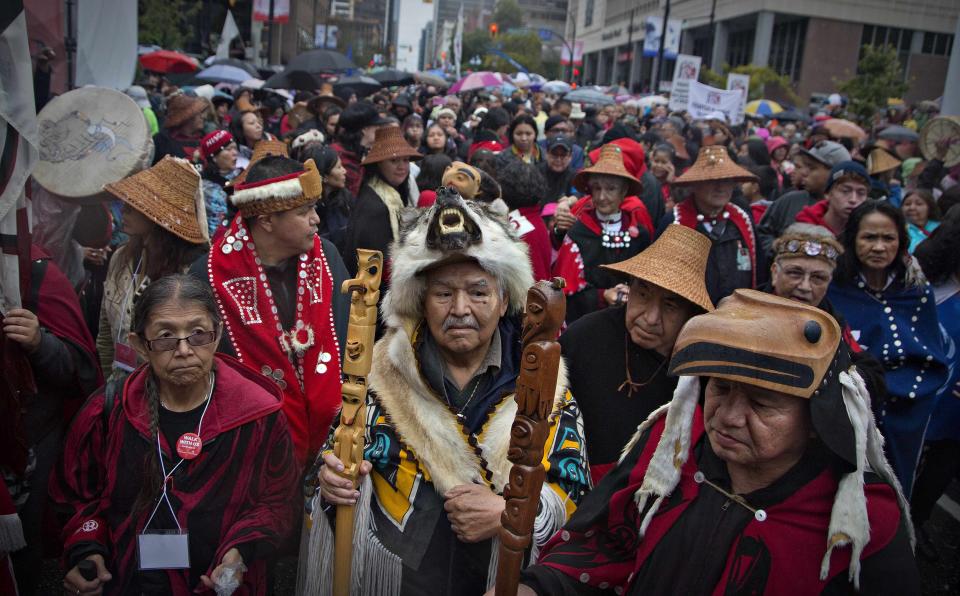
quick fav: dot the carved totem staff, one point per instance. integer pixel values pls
(536, 387)
(348, 439)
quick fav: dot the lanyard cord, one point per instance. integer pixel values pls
(167, 476)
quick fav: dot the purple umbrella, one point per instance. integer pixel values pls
(477, 80)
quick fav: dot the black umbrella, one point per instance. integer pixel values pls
(791, 115)
(293, 79)
(362, 85)
(317, 61)
(896, 132)
(250, 68)
(392, 77)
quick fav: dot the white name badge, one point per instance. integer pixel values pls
(163, 550)
(521, 225)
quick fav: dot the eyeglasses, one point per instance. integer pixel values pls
(168, 344)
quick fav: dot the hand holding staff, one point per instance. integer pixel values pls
(348, 439)
(536, 387)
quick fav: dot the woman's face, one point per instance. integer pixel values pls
(252, 128)
(185, 365)
(523, 137)
(607, 193)
(780, 153)
(659, 164)
(337, 178)
(332, 124)
(916, 210)
(395, 170)
(135, 223)
(369, 136)
(226, 159)
(414, 133)
(436, 139)
(877, 242)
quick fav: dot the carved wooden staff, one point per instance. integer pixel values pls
(348, 439)
(536, 387)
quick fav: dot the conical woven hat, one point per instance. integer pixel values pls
(880, 160)
(260, 150)
(390, 144)
(677, 261)
(609, 163)
(169, 194)
(714, 165)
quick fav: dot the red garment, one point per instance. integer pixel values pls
(569, 263)
(793, 534)
(427, 198)
(633, 156)
(813, 214)
(351, 163)
(527, 222)
(758, 209)
(241, 491)
(310, 384)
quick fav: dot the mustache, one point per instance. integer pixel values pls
(464, 321)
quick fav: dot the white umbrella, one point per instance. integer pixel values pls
(556, 87)
(653, 100)
(252, 84)
(520, 80)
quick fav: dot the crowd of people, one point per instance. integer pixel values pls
(758, 389)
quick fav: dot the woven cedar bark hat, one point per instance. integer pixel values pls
(169, 194)
(260, 150)
(181, 108)
(714, 165)
(279, 194)
(677, 262)
(880, 160)
(609, 163)
(389, 144)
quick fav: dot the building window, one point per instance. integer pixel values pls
(900, 39)
(702, 46)
(786, 47)
(588, 14)
(740, 48)
(938, 44)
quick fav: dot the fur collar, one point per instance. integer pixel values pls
(428, 427)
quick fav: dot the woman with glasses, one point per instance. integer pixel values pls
(892, 314)
(185, 480)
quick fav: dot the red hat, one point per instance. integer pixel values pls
(214, 142)
(633, 156)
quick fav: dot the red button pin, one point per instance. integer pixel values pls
(189, 445)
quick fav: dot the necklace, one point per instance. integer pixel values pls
(460, 416)
(626, 364)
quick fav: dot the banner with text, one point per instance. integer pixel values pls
(739, 82)
(707, 103)
(653, 29)
(686, 69)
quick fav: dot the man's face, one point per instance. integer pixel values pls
(559, 159)
(654, 316)
(453, 102)
(463, 306)
(564, 109)
(711, 197)
(846, 195)
(762, 433)
(293, 230)
(815, 174)
(561, 129)
(804, 279)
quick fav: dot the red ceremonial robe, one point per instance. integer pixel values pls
(241, 491)
(303, 361)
